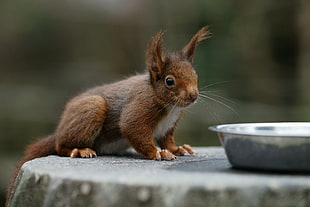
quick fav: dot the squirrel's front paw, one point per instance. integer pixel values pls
(180, 151)
(84, 153)
(164, 155)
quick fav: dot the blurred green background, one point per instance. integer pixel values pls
(256, 65)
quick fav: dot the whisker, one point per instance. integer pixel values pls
(165, 106)
(189, 111)
(216, 117)
(212, 113)
(218, 101)
(213, 84)
(174, 106)
(208, 91)
(178, 101)
(218, 96)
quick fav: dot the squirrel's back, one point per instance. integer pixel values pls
(120, 92)
(117, 96)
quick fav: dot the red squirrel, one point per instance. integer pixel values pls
(130, 113)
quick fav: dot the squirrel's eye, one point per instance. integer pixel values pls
(169, 81)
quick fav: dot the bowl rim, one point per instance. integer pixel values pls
(221, 129)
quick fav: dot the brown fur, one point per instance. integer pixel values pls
(132, 112)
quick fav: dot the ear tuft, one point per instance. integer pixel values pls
(154, 55)
(188, 50)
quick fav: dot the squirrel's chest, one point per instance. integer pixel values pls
(167, 122)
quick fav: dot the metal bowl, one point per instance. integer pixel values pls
(267, 146)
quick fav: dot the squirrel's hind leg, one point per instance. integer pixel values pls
(80, 124)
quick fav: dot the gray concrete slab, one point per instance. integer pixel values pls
(204, 179)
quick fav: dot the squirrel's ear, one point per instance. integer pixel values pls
(154, 55)
(188, 50)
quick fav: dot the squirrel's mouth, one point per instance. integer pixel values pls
(184, 104)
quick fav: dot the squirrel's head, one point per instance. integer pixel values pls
(172, 74)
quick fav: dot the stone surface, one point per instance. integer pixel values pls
(204, 179)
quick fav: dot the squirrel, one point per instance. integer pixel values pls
(130, 113)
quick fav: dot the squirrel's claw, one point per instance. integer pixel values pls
(181, 150)
(189, 149)
(157, 156)
(164, 155)
(84, 153)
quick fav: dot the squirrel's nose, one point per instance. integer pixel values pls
(193, 96)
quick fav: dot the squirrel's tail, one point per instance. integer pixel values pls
(41, 148)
